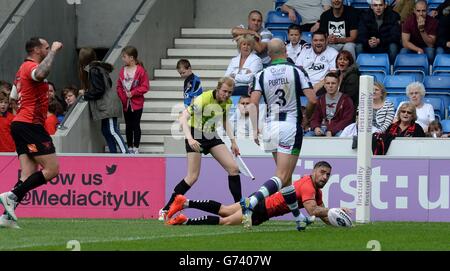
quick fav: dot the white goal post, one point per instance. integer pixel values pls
(364, 154)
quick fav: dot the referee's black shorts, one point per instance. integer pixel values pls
(207, 141)
(31, 139)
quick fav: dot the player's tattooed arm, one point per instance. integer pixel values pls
(43, 70)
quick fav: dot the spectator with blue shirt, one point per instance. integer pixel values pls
(192, 83)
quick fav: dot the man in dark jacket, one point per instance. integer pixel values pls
(379, 30)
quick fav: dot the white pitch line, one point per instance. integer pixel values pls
(128, 239)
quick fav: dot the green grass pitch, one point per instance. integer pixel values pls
(152, 235)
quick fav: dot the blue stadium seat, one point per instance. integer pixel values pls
(438, 106)
(279, 3)
(445, 103)
(279, 20)
(307, 36)
(445, 126)
(437, 84)
(441, 64)
(433, 4)
(398, 83)
(303, 100)
(396, 99)
(359, 3)
(412, 64)
(279, 33)
(374, 64)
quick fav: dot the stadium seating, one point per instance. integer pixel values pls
(438, 106)
(307, 36)
(412, 64)
(433, 4)
(441, 65)
(437, 84)
(374, 64)
(358, 3)
(279, 20)
(397, 83)
(279, 3)
(396, 99)
(445, 126)
(279, 33)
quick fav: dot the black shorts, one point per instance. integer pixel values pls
(31, 139)
(207, 141)
(259, 214)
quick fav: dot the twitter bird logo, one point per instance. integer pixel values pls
(111, 170)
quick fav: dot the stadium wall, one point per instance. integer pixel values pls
(6, 8)
(53, 20)
(107, 186)
(227, 13)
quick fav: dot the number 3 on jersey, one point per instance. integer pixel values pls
(281, 97)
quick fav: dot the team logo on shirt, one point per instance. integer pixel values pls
(316, 67)
(337, 29)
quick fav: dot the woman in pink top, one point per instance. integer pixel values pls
(132, 84)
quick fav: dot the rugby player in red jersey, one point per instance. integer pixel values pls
(34, 145)
(307, 190)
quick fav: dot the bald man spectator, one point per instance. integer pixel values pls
(419, 32)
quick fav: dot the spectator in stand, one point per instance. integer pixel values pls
(404, 8)
(348, 77)
(104, 102)
(404, 126)
(6, 118)
(419, 32)
(383, 110)
(11, 92)
(295, 45)
(51, 122)
(244, 66)
(341, 24)
(308, 10)
(132, 84)
(424, 111)
(435, 130)
(192, 83)
(317, 59)
(333, 112)
(379, 30)
(52, 95)
(261, 35)
(442, 10)
(70, 94)
(443, 42)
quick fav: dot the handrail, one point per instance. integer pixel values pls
(11, 15)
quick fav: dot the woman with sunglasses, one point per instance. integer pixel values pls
(405, 126)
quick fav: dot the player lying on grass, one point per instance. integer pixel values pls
(307, 190)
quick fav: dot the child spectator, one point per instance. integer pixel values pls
(51, 122)
(295, 45)
(192, 83)
(6, 141)
(435, 130)
(70, 94)
(132, 84)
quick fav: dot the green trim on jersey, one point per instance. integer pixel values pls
(295, 151)
(206, 112)
(279, 61)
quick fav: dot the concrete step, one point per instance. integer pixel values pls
(165, 106)
(205, 44)
(151, 148)
(206, 33)
(201, 73)
(152, 139)
(166, 94)
(198, 63)
(215, 53)
(177, 84)
(159, 117)
(149, 128)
